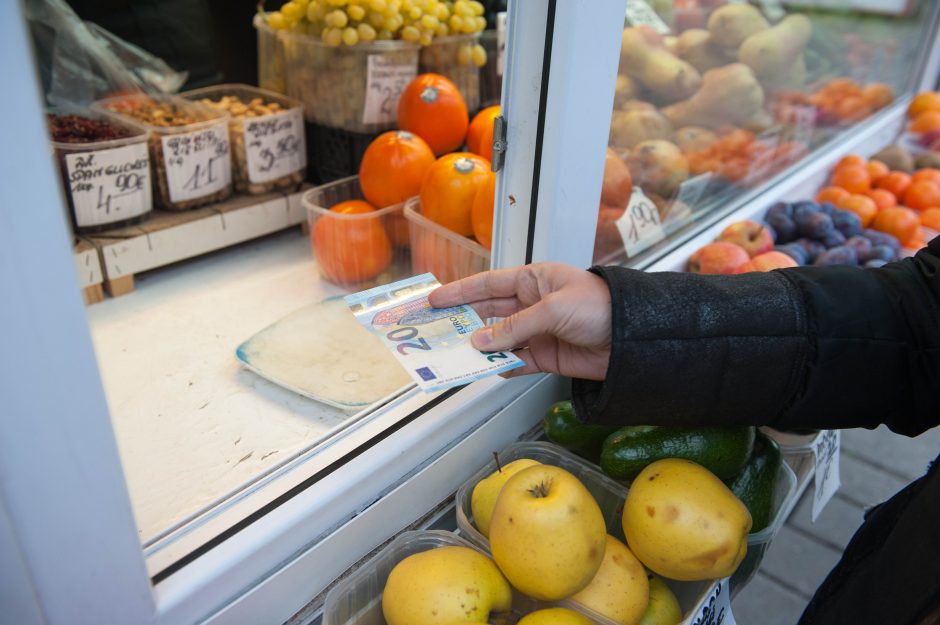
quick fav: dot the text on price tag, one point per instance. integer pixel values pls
(109, 185)
(827, 481)
(197, 163)
(500, 41)
(716, 608)
(386, 80)
(639, 13)
(274, 145)
(640, 226)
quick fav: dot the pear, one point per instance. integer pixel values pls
(619, 589)
(555, 616)
(487, 490)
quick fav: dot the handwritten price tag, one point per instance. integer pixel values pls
(640, 226)
(826, 450)
(197, 163)
(386, 81)
(109, 185)
(641, 14)
(716, 608)
(500, 41)
(274, 145)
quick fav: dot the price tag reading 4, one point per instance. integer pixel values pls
(640, 226)
(716, 609)
(641, 14)
(827, 482)
(274, 145)
(386, 81)
(197, 163)
(109, 185)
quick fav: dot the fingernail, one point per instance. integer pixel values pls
(483, 338)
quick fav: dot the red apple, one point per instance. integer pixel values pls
(768, 261)
(752, 236)
(716, 258)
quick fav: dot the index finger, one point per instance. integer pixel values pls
(478, 287)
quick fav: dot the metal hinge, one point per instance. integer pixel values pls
(499, 143)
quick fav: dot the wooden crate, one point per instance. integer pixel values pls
(88, 268)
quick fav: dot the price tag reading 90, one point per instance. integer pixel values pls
(640, 226)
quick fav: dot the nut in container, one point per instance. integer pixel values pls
(266, 134)
(189, 147)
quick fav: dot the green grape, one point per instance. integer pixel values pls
(410, 33)
(333, 37)
(480, 24)
(441, 12)
(336, 3)
(377, 5)
(414, 13)
(350, 36)
(393, 22)
(276, 20)
(426, 38)
(337, 18)
(291, 11)
(464, 55)
(430, 22)
(315, 12)
(463, 9)
(478, 55)
(477, 7)
(356, 13)
(366, 32)
(383, 34)
(442, 30)
(456, 23)
(376, 19)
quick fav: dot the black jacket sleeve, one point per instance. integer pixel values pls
(809, 347)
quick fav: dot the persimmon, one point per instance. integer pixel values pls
(449, 188)
(851, 160)
(480, 122)
(617, 185)
(393, 167)
(931, 218)
(861, 205)
(832, 194)
(481, 213)
(878, 95)
(925, 101)
(852, 178)
(896, 182)
(432, 107)
(926, 122)
(351, 245)
(921, 195)
(883, 198)
(877, 170)
(899, 221)
(486, 143)
(929, 174)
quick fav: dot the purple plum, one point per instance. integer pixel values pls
(834, 239)
(882, 238)
(874, 263)
(783, 226)
(794, 251)
(879, 252)
(813, 248)
(827, 207)
(814, 226)
(780, 208)
(847, 222)
(860, 244)
(840, 255)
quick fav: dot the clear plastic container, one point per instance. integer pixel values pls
(491, 81)
(107, 183)
(190, 152)
(354, 88)
(267, 136)
(358, 250)
(450, 57)
(446, 254)
(270, 57)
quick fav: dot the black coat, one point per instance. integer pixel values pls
(809, 347)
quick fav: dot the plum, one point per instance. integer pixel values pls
(794, 251)
(812, 248)
(780, 208)
(834, 239)
(847, 222)
(860, 244)
(783, 226)
(827, 207)
(815, 225)
(874, 263)
(803, 210)
(840, 255)
(879, 252)
(882, 238)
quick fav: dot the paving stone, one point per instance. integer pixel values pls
(764, 602)
(865, 483)
(836, 524)
(799, 561)
(904, 455)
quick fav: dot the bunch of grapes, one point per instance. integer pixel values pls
(339, 22)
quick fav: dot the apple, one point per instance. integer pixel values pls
(663, 608)
(547, 534)
(617, 185)
(555, 616)
(768, 261)
(620, 589)
(483, 498)
(718, 258)
(752, 236)
(451, 584)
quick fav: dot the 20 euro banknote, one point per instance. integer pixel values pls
(433, 344)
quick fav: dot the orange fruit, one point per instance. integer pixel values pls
(929, 174)
(449, 188)
(900, 221)
(486, 142)
(852, 178)
(921, 195)
(617, 185)
(878, 95)
(931, 218)
(349, 245)
(917, 241)
(431, 107)
(481, 121)
(926, 101)
(853, 108)
(861, 205)
(843, 87)
(832, 194)
(851, 159)
(393, 167)
(883, 198)
(877, 170)
(896, 182)
(926, 122)
(481, 213)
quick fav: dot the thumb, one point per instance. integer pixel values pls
(514, 330)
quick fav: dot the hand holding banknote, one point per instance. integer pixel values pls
(558, 315)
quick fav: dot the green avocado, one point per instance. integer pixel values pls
(721, 450)
(755, 484)
(563, 427)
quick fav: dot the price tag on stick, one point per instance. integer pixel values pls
(640, 226)
(827, 482)
(109, 185)
(197, 163)
(274, 145)
(716, 608)
(386, 80)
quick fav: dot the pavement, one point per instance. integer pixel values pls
(874, 464)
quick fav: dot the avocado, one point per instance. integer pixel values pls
(721, 450)
(755, 484)
(562, 426)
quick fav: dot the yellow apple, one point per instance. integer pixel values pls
(663, 608)
(683, 523)
(444, 585)
(555, 616)
(487, 490)
(547, 533)
(620, 589)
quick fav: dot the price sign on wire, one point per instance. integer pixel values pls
(827, 482)
(274, 145)
(500, 41)
(639, 13)
(640, 226)
(386, 80)
(197, 163)
(692, 189)
(109, 185)
(716, 608)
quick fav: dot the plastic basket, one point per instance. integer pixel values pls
(270, 57)
(446, 254)
(450, 57)
(345, 245)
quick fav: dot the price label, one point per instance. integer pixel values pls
(386, 80)
(827, 482)
(640, 226)
(639, 13)
(692, 189)
(716, 608)
(500, 41)
(274, 145)
(109, 185)
(197, 163)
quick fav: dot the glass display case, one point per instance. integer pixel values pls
(206, 492)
